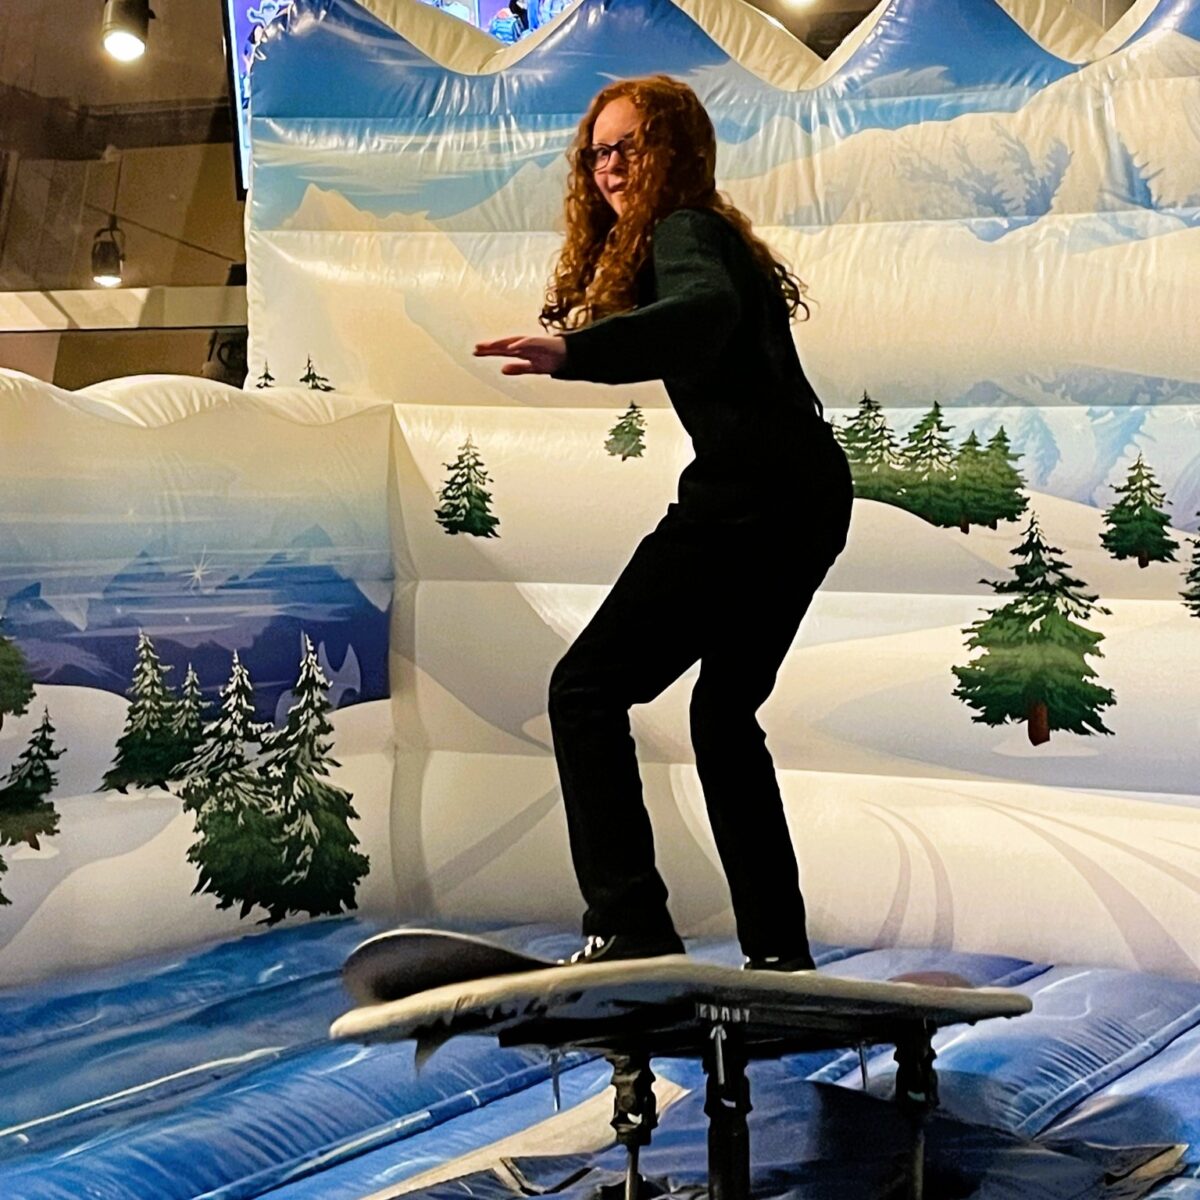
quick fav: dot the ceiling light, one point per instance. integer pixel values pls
(125, 28)
(108, 255)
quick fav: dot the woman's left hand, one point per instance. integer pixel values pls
(534, 355)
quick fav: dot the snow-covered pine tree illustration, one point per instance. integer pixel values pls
(928, 470)
(224, 739)
(236, 848)
(1191, 593)
(16, 687)
(987, 487)
(1034, 666)
(973, 485)
(1136, 523)
(970, 484)
(238, 822)
(321, 867)
(626, 439)
(187, 721)
(266, 379)
(465, 502)
(148, 752)
(872, 452)
(25, 813)
(1004, 497)
(311, 378)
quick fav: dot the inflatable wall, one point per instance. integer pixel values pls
(195, 587)
(986, 731)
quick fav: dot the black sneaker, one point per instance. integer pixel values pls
(625, 945)
(775, 962)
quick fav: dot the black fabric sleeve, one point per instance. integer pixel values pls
(683, 331)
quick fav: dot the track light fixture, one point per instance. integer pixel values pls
(125, 28)
(108, 244)
(108, 254)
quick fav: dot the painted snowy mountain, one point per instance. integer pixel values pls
(1000, 172)
(362, 61)
(261, 612)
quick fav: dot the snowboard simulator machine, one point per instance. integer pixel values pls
(431, 985)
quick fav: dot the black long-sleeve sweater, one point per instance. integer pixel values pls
(714, 328)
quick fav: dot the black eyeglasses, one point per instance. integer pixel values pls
(598, 156)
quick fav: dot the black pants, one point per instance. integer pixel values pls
(731, 594)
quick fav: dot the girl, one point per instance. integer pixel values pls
(661, 277)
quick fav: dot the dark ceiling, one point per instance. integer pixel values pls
(62, 97)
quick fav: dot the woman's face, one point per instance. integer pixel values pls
(618, 119)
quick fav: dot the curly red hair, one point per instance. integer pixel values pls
(675, 154)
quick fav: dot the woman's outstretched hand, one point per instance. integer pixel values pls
(533, 355)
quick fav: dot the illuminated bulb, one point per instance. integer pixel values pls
(125, 27)
(124, 46)
(108, 256)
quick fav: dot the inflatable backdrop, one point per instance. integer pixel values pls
(988, 730)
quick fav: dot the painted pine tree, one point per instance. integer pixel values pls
(317, 382)
(626, 438)
(16, 688)
(872, 452)
(465, 502)
(928, 470)
(187, 721)
(266, 379)
(971, 490)
(322, 868)
(1034, 666)
(25, 813)
(225, 739)
(148, 751)
(1137, 525)
(236, 851)
(1191, 593)
(1006, 499)
(238, 826)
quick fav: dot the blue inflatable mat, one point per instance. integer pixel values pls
(145, 990)
(1162, 1093)
(392, 1164)
(1178, 1189)
(1088, 1028)
(213, 1072)
(279, 1123)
